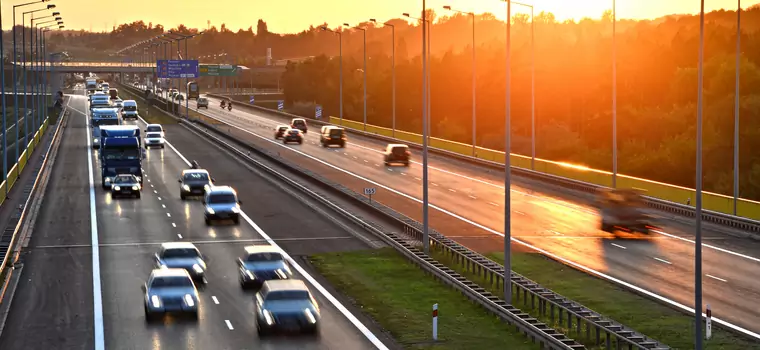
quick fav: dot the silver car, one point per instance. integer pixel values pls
(154, 139)
(182, 255)
(286, 306)
(170, 291)
(125, 185)
(221, 204)
(261, 263)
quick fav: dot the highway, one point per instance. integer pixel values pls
(63, 286)
(469, 207)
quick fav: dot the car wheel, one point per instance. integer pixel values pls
(342, 145)
(194, 315)
(262, 332)
(182, 196)
(137, 195)
(162, 146)
(208, 222)
(606, 228)
(406, 164)
(300, 142)
(236, 221)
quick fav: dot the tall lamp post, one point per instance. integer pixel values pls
(43, 78)
(698, 216)
(187, 80)
(26, 98)
(2, 91)
(532, 86)
(614, 94)
(426, 30)
(393, 74)
(736, 101)
(474, 118)
(38, 99)
(507, 162)
(364, 33)
(340, 53)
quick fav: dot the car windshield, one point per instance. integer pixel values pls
(283, 128)
(180, 253)
(399, 150)
(123, 179)
(287, 295)
(99, 122)
(171, 282)
(153, 135)
(130, 108)
(121, 153)
(294, 132)
(202, 100)
(299, 122)
(154, 129)
(221, 198)
(336, 132)
(196, 177)
(261, 257)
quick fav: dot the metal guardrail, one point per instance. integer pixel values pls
(9, 235)
(557, 309)
(741, 223)
(536, 330)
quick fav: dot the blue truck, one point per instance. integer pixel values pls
(100, 117)
(120, 152)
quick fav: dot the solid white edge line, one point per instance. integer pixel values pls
(557, 202)
(335, 302)
(542, 251)
(97, 296)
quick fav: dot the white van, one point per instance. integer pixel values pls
(129, 110)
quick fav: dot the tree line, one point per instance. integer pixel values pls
(656, 84)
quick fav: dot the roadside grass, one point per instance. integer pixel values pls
(400, 296)
(646, 316)
(151, 114)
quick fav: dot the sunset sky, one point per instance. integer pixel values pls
(287, 16)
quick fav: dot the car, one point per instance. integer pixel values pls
(155, 128)
(397, 153)
(194, 182)
(292, 135)
(154, 139)
(279, 131)
(170, 291)
(125, 185)
(261, 263)
(118, 103)
(129, 110)
(201, 102)
(182, 255)
(332, 135)
(286, 306)
(300, 124)
(623, 209)
(221, 203)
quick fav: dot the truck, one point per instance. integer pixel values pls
(623, 209)
(120, 153)
(91, 84)
(192, 90)
(101, 117)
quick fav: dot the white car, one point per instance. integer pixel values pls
(154, 139)
(155, 128)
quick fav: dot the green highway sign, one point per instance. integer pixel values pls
(217, 70)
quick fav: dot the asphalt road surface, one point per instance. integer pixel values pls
(62, 287)
(469, 207)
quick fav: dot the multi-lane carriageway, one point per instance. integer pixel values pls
(468, 202)
(89, 255)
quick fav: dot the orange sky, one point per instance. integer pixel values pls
(281, 17)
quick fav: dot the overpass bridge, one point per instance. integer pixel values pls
(120, 67)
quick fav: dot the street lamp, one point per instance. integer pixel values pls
(698, 216)
(736, 102)
(426, 29)
(425, 122)
(37, 62)
(614, 94)
(507, 162)
(43, 78)
(474, 124)
(532, 86)
(364, 32)
(26, 98)
(340, 53)
(393, 74)
(187, 80)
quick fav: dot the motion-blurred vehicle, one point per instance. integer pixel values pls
(155, 128)
(170, 290)
(193, 92)
(201, 102)
(126, 185)
(623, 210)
(221, 203)
(261, 263)
(154, 139)
(286, 306)
(118, 103)
(129, 110)
(279, 131)
(182, 255)
(292, 135)
(194, 182)
(113, 93)
(300, 124)
(332, 135)
(397, 153)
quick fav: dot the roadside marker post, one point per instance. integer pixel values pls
(435, 321)
(708, 323)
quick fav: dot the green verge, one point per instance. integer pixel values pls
(400, 296)
(151, 114)
(647, 316)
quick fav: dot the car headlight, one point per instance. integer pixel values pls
(189, 300)
(267, 316)
(186, 187)
(117, 188)
(197, 268)
(135, 188)
(108, 180)
(210, 211)
(250, 275)
(156, 301)
(310, 316)
(95, 140)
(235, 210)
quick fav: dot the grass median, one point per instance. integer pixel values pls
(400, 296)
(646, 316)
(151, 114)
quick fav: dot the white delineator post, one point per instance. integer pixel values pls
(708, 323)
(435, 321)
